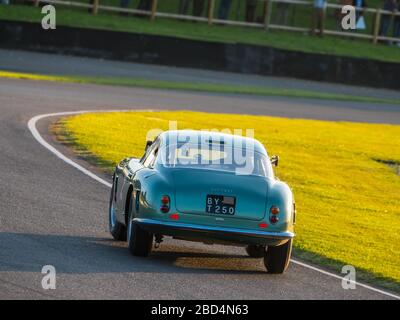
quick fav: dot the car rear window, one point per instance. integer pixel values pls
(216, 157)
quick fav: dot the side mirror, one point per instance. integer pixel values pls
(148, 144)
(275, 161)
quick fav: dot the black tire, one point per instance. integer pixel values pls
(140, 242)
(255, 251)
(117, 229)
(276, 259)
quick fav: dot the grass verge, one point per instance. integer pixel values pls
(348, 202)
(201, 31)
(200, 87)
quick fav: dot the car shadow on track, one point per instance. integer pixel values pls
(24, 252)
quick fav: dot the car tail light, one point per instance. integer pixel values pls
(274, 210)
(274, 219)
(263, 225)
(174, 216)
(165, 202)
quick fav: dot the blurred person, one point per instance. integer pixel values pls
(283, 13)
(184, 6)
(90, 9)
(144, 5)
(338, 12)
(388, 5)
(396, 26)
(359, 4)
(224, 8)
(251, 6)
(124, 3)
(198, 7)
(318, 17)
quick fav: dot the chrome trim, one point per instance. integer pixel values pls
(196, 227)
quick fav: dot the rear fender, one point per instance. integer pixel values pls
(281, 196)
(153, 186)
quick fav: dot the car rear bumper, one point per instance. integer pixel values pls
(213, 233)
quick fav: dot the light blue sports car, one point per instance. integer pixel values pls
(208, 187)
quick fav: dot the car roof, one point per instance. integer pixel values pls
(196, 136)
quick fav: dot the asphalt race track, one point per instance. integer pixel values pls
(42, 63)
(52, 214)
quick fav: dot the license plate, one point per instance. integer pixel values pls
(220, 204)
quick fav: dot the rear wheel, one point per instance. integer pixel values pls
(276, 259)
(139, 240)
(117, 229)
(255, 251)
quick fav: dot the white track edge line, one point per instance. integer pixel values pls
(32, 127)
